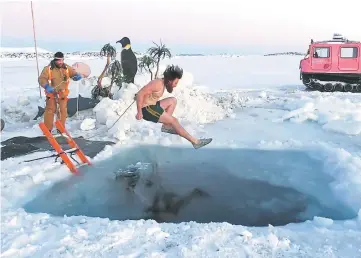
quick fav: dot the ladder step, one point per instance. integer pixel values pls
(63, 154)
(71, 150)
(60, 135)
(71, 142)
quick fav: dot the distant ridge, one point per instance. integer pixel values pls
(190, 55)
(286, 54)
(50, 55)
(29, 53)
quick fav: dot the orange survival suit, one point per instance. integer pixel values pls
(59, 79)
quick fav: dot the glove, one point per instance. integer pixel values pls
(77, 77)
(48, 88)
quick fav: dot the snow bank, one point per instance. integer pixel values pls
(88, 124)
(23, 109)
(194, 107)
(335, 114)
(345, 168)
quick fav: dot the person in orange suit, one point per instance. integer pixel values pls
(55, 79)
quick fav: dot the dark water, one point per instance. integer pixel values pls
(240, 186)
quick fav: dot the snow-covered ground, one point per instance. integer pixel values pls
(246, 102)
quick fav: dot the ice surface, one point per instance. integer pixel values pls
(252, 106)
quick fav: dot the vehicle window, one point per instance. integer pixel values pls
(349, 52)
(321, 52)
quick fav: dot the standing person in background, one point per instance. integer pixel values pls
(55, 79)
(128, 60)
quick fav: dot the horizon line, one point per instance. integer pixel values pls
(141, 46)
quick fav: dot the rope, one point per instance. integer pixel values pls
(77, 101)
(36, 49)
(51, 156)
(115, 121)
(58, 113)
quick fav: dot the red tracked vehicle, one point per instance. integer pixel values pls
(332, 65)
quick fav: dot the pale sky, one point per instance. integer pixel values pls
(222, 24)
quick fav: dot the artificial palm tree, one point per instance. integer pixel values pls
(116, 74)
(108, 50)
(113, 70)
(147, 63)
(159, 52)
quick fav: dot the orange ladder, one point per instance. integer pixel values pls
(64, 154)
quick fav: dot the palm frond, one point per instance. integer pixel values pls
(108, 50)
(159, 52)
(115, 72)
(146, 62)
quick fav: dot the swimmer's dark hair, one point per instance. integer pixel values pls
(173, 72)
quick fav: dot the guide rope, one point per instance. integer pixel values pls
(114, 122)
